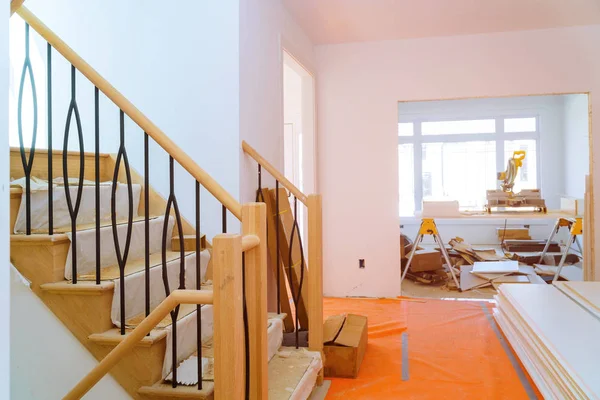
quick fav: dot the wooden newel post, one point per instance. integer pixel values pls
(228, 317)
(254, 222)
(315, 275)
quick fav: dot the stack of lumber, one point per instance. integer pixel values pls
(554, 335)
(529, 246)
(512, 234)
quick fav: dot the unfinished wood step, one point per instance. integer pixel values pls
(165, 391)
(40, 258)
(113, 337)
(293, 373)
(79, 289)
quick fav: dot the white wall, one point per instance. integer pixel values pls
(265, 29)
(576, 138)
(358, 92)
(46, 359)
(178, 65)
(4, 212)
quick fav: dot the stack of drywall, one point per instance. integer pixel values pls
(555, 337)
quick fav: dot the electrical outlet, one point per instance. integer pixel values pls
(361, 263)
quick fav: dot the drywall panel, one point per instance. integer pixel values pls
(47, 366)
(359, 88)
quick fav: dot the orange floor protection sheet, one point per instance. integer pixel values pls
(431, 349)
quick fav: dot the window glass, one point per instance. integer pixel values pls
(460, 171)
(520, 125)
(406, 163)
(458, 127)
(405, 129)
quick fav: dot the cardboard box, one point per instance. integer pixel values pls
(426, 260)
(345, 343)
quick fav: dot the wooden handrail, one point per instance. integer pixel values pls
(15, 5)
(176, 298)
(136, 115)
(249, 242)
(273, 171)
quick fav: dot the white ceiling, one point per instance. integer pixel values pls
(341, 21)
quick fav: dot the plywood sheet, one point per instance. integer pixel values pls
(470, 281)
(587, 294)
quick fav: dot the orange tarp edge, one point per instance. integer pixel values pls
(453, 352)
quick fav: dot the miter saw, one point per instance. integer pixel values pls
(506, 198)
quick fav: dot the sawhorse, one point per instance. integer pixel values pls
(575, 226)
(428, 227)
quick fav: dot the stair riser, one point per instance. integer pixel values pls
(86, 245)
(135, 286)
(186, 337)
(40, 262)
(87, 210)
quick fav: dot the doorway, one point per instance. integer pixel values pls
(299, 130)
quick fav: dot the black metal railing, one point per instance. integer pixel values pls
(122, 175)
(294, 235)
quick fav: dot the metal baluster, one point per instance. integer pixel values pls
(277, 246)
(97, 173)
(147, 222)
(198, 287)
(224, 219)
(122, 258)
(50, 174)
(172, 202)
(296, 297)
(73, 209)
(27, 163)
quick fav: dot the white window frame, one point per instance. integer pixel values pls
(500, 136)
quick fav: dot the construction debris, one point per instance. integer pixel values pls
(512, 234)
(528, 246)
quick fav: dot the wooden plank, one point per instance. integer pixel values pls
(254, 222)
(189, 243)
(286, 222)
(228, 318)
(315, 276)
(284, 299)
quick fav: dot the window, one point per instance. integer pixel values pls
(460, 159)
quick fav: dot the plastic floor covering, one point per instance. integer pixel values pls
(431, 349)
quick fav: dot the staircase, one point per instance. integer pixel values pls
(168, 312)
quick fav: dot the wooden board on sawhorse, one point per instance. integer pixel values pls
(575, 226)
(428, 227)
(284, 298)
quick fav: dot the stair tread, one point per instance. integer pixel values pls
(113, 337)
(165, 390)
(67, 287)
(132, 267)
(288, 369)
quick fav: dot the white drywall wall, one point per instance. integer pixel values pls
(178, 65)
(575, 141)
(4, 211)
(358, 92)
(46, 360)
(265, 29)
